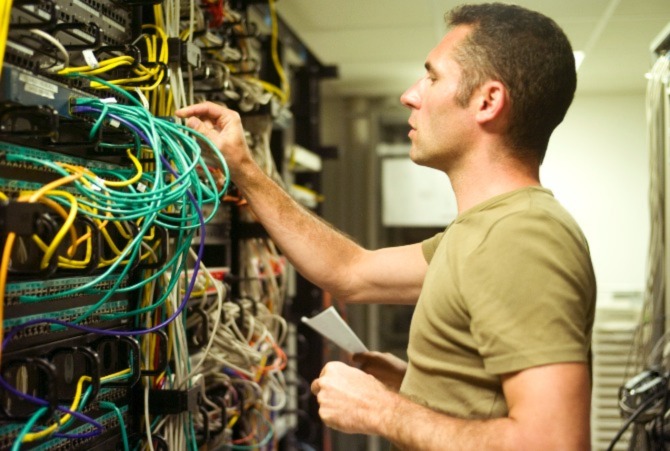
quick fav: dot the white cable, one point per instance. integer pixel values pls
(58, 45)
(657, 112)
(220, 295)
(147, 421)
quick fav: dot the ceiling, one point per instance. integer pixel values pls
(380, 45)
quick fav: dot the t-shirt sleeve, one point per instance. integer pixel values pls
(529, 291)
(430, 245)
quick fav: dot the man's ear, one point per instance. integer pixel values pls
(492, 100)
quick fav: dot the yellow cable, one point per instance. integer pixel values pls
(33, 436)
(259, 370)
(63, 214)
(154, 48)
(232, 421)
(67, 225)
(160, 29)
(4, 269)
(169, 104)
(6, 13)
(72, 250)
(158, 16)
(270, 88)
(67, 262)
(36, 195)
(151, 233)
(134, 179)
(147, 75)
(102, 225)
(275, 56)
(115, 375)
(103, 66)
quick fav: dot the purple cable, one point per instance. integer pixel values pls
(76, 436)
(88, 109)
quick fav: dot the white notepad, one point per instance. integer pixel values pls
(330, 324)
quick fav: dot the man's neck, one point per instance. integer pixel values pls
(484, 178)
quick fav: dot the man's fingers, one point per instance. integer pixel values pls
(201, 109)
(358, 357)
(194, 123)
(316, 387)
(206, 127)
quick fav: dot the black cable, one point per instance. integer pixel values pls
(644, 406)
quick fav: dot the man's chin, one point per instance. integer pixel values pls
(415, 156)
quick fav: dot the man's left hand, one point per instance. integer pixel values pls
(349, 399)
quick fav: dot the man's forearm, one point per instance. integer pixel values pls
(319, 252)
(411, 426)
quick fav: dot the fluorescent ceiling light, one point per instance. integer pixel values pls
(579, 57)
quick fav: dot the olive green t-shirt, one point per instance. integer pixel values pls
(509, 286)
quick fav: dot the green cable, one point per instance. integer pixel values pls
(157, 303)
(109, 85)
(27, 427)
(194, 443)
(98, 123)
(122, 423)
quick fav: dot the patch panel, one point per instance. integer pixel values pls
(37, 13)
(113, 19)
(14, 167)
(35, 288)
(21, 84)
(109, 421)
(44, 332)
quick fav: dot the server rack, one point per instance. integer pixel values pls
(141, 307)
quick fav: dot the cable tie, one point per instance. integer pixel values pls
(174, 402)
(98, 184)
(114, 123)
(141, 187)
(108, 100)
(90, 58)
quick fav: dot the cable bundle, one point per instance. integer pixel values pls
(169, 196)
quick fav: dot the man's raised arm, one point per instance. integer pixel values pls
(317, 250)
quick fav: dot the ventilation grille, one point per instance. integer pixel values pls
(613, 333)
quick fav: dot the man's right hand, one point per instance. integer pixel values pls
(385, 367)
(224, 128)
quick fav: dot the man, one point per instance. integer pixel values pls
(500, 338)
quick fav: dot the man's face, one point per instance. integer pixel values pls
(440, 128)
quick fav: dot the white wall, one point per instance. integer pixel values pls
(597, 166)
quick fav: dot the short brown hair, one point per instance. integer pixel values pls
(527, 52)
